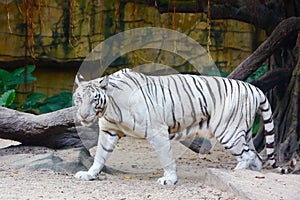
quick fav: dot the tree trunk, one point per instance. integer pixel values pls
(285, 99)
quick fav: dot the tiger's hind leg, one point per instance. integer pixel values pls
(245, 153)
(249, 157)
(245, 160)
(256, 163)
(162, 146)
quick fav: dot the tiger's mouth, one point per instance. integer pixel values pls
(87, 123)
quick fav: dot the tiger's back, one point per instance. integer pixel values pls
(184, 103)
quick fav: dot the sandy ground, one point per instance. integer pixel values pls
(138, 171)
(137, 179)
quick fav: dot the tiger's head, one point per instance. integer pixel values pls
(90, 98)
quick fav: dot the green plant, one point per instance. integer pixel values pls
(10, 80)
(35, 102)
(223, 74)
(57, 102)
(7, 98)
(256, 125)
(32, 103)
(258, 73)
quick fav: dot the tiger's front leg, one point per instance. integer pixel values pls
(106, 144)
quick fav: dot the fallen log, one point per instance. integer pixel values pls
(54, 130)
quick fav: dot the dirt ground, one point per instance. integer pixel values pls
(137, 171)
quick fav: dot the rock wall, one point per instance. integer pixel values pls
(62, 33)
(68, 30)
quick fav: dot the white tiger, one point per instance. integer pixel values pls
(160, 108)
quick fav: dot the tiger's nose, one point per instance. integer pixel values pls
(83, 116)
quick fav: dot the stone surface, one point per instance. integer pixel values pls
(247, 184)
(68, 160)
(34, 162)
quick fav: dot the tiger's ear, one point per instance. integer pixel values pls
(104, 82)
(79, 79)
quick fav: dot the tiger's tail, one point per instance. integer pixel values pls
(266, 114)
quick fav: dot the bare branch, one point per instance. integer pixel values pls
(250, 11)
(282, 32)
(273, 78)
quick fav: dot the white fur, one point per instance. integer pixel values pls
(143, 107)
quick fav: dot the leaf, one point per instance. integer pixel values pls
(57, 102)
(20, 71)
(223, 74)
(44, 109)
(32, 101)
(21, 80)
(155, 173)
(258, 73)
(128, 177)
(256, 125)
(11, 80)
(18, 75)
(5, 77)
(7, 98)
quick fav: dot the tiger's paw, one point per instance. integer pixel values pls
(256, 164)
(167, 181)
(84, 175)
